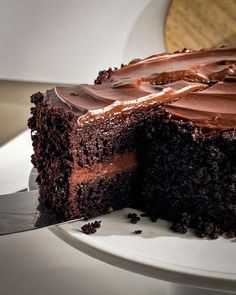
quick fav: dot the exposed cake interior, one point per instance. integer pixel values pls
(157, 134)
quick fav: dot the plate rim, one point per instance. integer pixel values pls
(164, 271)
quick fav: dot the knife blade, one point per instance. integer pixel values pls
(20, 212)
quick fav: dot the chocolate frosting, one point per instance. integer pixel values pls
(194, 85)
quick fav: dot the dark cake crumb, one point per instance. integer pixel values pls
(230, 235)
(74, 94)
(199, 234)
(179, 227)
(138, 232)
(96, 224)
(103, 76)
(132, 215)
(134, 218)
(91, 228)
(209, 228)
(144, 215)
(37, 98)
(182, 225)
(133, 61)
(214, 235)
(88, 229)
(153, 219)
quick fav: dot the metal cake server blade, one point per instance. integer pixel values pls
(19, 212)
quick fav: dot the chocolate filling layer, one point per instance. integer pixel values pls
(119, 163)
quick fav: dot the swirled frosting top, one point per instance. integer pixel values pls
(195, 85)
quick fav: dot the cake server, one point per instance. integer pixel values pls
(19, 212)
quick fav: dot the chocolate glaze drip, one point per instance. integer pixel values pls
(195, 85)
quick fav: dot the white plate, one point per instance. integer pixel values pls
(32, 185)
(157, 252)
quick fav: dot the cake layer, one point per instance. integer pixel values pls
(103, 195)
(94, 197)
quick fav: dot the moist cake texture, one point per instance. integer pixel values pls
(157, 134)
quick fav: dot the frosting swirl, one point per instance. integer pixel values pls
(195, 85)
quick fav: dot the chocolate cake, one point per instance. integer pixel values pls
(158, 134)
